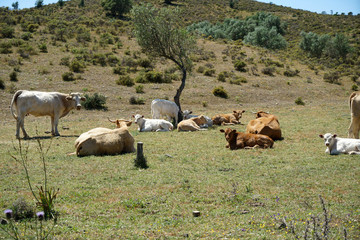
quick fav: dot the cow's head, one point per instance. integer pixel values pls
(328, 138)
(121, 122)
(238, 114)
(138, 117)
(262, 114)
(229, 133)
(76, 97)
(186, 113)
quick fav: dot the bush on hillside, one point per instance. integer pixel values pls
(240, 66)
(136, 101)
(332, 77)
(96, 101)
(2, 84)
(68, 77)
(220, 92)
(125, 81)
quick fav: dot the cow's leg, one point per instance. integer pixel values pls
(55, 126)
(20, 124)
(354, 127)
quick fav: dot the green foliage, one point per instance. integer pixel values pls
(13, 76)
(6, 31)
(15, 5)
(46, 201)
(125, 81)
(139, 88)
(355, 87)
(82, 3)
(26, 36)
(22, 209)
(262, 29)
(152, 77)
(77, 66)
(61, 3)
(240, 66)
(39, 3)
(238, 80)
(68, 76)
(291, 73)
(299, 101)
(209, 72)
(136, 101)
(65, 61)
(332, 77)
(319, 45)
(43, 48)
(220, 92)
(145, 63)
(221, 77)
(32, 27)
(268, 71)
(116, 8)
(5, 47)
(96, 101)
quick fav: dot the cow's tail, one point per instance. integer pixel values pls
(351, 98)
(13, 101)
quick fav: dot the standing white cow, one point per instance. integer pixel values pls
(53, 104)
(354, 127)
(161, 108)
(149, 125)
(335, 145)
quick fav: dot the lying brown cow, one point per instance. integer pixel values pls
(192, 124)
(238, 140)
(228, 119)
(266, 124)
(103, 141)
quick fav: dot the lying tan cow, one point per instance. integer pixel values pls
(192, 124)
(266, 124)
(238, 140)
(228, 119)
(102, 141)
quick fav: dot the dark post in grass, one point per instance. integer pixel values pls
(140, 161)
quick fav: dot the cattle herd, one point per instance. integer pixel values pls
(261, 132)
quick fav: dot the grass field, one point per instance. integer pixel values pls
(241, 194)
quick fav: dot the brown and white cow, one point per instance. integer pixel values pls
(192, 124)
(53, 104)
(99, 141)
(354, 101)
(228, 119)
(238, 140)
(266, 124)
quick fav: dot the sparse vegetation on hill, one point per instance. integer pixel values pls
(80, 46)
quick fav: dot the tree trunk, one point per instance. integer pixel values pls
(178, 93)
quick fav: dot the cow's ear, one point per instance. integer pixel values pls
(243, 111)
(334, 136)
(133, 116)
(142, 116)
(320, 135)
(222, 130)
(83, 98)
(234, 131)
(190, 112)
(234, 111)
(68, 97)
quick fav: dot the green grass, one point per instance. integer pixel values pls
(237, 192)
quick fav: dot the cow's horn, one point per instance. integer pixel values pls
(113, 121)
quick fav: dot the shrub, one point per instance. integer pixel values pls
(201, 69)
(116, 8)
(13, 76)
(332, 77)
(291, 73)
(5, 47)
(220, 92)
(209, 72)
(119, 70)
(355, 87)
(139, 88)
(22, 210)
(2, 84)
(268, 71)
(6, 31)
(97, 101)
(240, 66)
(152, 77)
(267, 38)
(77, 66)
(136, 101)
(221, 77)
(169, 77)
(125, 81)
(238, 80)
(299, 101)
(65, 61)
(68, 77)
(43, 48)
(145, 63)
(26, 36)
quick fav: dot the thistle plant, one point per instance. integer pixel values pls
(46, 196)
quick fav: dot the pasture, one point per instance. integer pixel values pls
(240, 194)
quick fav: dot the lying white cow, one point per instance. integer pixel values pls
(53, 104)
(188, 114)
(335, 145)
(149, 125)
(161, 108)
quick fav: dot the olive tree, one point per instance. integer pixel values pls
(160, 34)
(116, 8)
